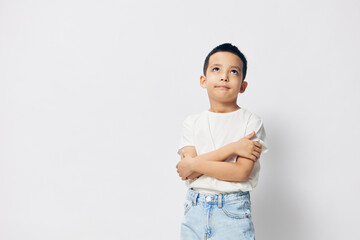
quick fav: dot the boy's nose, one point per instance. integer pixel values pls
(224, 77)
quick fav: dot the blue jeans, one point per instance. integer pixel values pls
(217, 217)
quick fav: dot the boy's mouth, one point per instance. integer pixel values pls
(225, 87)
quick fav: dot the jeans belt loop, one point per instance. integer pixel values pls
(194, 202)
(220, 200)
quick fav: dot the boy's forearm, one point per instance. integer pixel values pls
(218, 155)
(226, 171)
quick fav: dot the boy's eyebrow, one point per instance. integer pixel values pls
(216, 64)
(236, 67)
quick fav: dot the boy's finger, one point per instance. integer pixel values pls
(256, 154)
(253, 157)
(257, 144)
(251, 135)
(258, 149)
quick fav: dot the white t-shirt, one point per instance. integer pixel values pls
(208, 131)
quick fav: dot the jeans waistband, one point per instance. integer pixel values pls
(218, 199)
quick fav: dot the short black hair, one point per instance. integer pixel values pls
(227, 47)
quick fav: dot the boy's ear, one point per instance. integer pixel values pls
(243, 87)
(203, 81)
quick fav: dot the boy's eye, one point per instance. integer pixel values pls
(234, 72)
(216, 69)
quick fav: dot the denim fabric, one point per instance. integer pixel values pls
(217, 217)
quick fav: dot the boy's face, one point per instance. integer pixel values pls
(223, 79)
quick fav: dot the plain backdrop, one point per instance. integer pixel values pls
(93, 95)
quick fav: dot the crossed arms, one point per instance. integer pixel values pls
(212, 163)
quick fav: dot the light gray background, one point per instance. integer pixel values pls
(93, 95)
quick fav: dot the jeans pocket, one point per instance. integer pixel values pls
(238, 209)
(187, 206)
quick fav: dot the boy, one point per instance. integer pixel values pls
(219, 149)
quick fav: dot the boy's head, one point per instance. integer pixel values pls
(224, 74)
(227, 47)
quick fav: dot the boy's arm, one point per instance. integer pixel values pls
(245, 149)
(226, 171)
(220, 154)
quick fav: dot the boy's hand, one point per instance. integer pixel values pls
(184, 167)
(247, 148)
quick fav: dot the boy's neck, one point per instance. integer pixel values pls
(223, 108)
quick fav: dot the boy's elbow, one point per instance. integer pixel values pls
(244, 170)
(243, 176)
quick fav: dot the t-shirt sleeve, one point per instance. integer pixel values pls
(187, 136)
(256, 124)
